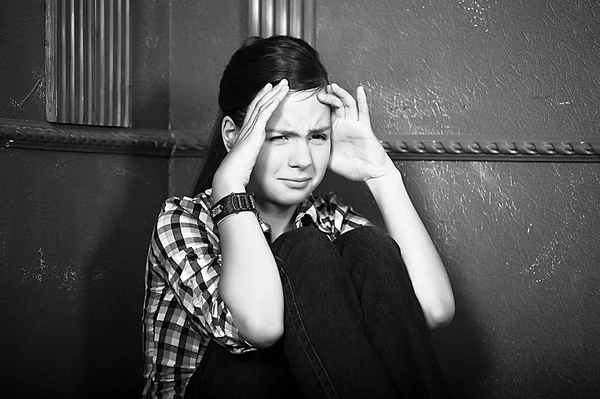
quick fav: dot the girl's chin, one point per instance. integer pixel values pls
(284, 198)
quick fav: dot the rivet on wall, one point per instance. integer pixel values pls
(283, 17)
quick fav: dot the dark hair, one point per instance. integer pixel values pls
(258, 62)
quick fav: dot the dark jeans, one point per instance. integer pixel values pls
(353, 328)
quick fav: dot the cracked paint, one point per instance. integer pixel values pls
(478, 11)
(42, 272)
(546, 263)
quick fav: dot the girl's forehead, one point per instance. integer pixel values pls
(300, 109)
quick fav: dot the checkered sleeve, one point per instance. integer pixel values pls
(191, 262)
(342, 217)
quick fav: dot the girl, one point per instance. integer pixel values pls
(255, 288)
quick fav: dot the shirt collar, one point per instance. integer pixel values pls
(306, 213)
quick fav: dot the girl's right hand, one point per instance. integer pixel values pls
(234, 172)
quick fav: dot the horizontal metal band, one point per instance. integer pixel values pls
(465, 148)
(56, 137)
(46, 136)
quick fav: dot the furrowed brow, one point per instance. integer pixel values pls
(291, 132)
(319, 130)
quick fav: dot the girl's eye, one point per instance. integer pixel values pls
(321, 137)
(278, 138)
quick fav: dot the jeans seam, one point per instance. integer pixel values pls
(316, 364)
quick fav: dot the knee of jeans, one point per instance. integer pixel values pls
(303, 239)
(301, 235)
(374, 252)
(305, 243)
(369, 237)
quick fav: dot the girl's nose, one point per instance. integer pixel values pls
(300, 156)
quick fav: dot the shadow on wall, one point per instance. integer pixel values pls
(114, 277)
(76, 239)
(464, 359)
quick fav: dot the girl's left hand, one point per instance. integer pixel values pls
(356, 153)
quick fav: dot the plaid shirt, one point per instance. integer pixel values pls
(182, 308)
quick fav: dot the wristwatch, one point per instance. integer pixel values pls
(232, 204)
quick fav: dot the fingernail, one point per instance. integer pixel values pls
(283, 82)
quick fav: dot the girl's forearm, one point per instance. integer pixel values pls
(250, 284)
(425, 268)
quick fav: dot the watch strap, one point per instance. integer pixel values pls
(232, 204)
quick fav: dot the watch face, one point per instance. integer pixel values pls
(216, 210)
(240, 202)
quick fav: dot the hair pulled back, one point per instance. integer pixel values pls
(258, 62)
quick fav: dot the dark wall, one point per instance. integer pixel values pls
(204, 34)
(150, 76)
(75, 228)
(73, 240)
(520, 240)
(22, 80)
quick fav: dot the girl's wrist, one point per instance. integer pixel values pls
(391, 175)
(221, 190)
(388, 189)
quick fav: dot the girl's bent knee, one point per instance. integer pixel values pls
(367, 237)
(303, 236)
(306, 243)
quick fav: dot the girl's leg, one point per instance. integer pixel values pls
(262, 374)
(394, 321)
(324, 339)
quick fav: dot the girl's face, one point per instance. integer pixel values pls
(295, 155)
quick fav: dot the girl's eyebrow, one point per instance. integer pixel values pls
(291, 132)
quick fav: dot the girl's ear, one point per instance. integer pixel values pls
(228, 132)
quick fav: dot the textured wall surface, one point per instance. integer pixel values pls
(22, 80)
(204, 34)
(74, 233)
(150, 64)
(521, 244)
(513, 67)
